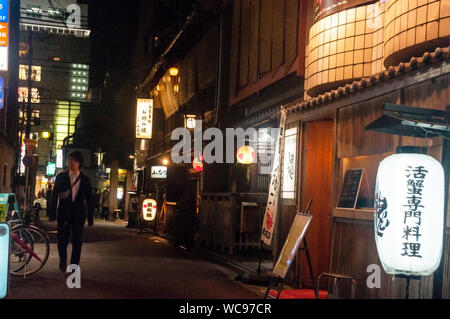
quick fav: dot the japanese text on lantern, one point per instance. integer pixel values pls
(413, 213)
(144, 118)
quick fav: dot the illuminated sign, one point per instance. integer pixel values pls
(289, 163)
(144, 118)
(4, 34)
(120, 193)
(51, 169)
(159, 172)
(59, 159)
(189, 122)
(149, 210)
(409, 214)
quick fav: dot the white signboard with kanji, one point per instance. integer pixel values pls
(144, 118)
(270, 215)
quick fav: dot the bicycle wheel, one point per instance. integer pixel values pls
(30, 249)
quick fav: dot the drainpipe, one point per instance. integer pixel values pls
(219, 71)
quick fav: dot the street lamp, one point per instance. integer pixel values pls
(46, 135)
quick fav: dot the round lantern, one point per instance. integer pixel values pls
(409, 214)
(245, 154)
(149, 210)
(198, 164)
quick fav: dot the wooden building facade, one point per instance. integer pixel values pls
(358, 59)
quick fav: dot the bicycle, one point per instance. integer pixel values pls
(30, 247)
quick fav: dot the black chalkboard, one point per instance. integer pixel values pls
(350, 188)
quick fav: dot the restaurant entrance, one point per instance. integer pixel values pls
(316, 180)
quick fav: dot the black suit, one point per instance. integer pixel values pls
(72, 214)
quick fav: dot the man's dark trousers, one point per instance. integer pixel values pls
(67, 225)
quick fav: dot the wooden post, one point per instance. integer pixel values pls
(439, 273)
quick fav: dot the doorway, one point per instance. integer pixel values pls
(315, 183)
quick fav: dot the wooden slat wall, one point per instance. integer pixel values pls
(207, 56)
(351, 255)
(234, 56)
(254, 41)
(446, 281)
(291, 35)
(264, 38)
(278, 34)
(353, 139)
(265, 42)
(192, 74)
(245, 39)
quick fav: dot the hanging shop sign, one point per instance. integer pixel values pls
(144, 118)
(149, 210)
(409, 214)
(270, 215)
(245, 155)
(159, 172)
(4, 34)
(323, 8)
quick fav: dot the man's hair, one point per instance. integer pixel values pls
(76, 156)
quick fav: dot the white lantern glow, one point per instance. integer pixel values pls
(149, 210)
(409, 214)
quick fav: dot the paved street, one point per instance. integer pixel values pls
(118, 263)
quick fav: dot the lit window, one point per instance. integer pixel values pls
(35, 72)
(34, 11)
(23, 95)
(23, 49)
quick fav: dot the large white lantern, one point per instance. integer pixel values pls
(409, 214)
(149, 210)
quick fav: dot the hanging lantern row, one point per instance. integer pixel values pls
(171, 78)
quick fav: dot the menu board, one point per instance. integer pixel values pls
(295, 236)
(350, 188)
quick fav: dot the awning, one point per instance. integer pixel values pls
(411, 121)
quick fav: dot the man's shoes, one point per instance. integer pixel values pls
(62, 265)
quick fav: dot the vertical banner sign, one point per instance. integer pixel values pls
(4, 12)
(409, 214)
(1, 93)
(59, 159)
(144, 118)
(270, 215)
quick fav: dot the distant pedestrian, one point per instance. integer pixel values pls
(48, 196)
(73, 190)
(105, 204)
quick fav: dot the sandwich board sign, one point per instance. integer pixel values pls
(292, 244)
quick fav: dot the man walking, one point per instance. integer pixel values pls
(73, 190)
